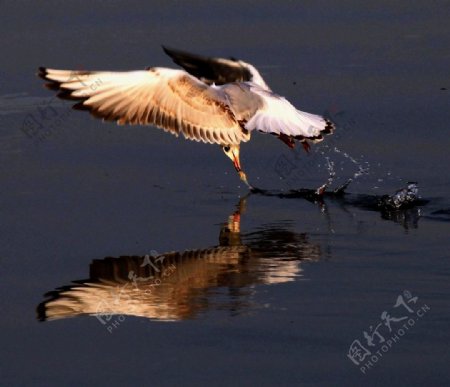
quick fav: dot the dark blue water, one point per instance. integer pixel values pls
(273, 288)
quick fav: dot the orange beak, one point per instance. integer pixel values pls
(236, 162)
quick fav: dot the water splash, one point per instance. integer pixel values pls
(403, 198)
(362, 170)
(330, 179)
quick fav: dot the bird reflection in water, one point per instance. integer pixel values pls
(182, 285)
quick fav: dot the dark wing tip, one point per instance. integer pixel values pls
(329, 127)
(210, 69)
(178, 56)
(42, 73)
(166, 49)
(41, 311)
(81, 106)
(50, 84)
(67, 94)
(174, 53)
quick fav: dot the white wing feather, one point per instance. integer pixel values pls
(279, 116)
(170, 99)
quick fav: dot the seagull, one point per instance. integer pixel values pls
(212, 100)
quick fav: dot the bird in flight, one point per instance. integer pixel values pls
(213, 100)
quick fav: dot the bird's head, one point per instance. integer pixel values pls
(232, 151)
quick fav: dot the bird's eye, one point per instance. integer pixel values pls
(226, 148)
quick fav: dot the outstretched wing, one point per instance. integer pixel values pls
(170, 99)
(252, 101)
(278, 116)
(216, 70)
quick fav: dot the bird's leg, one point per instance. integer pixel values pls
(306, 146)
(232, 151)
